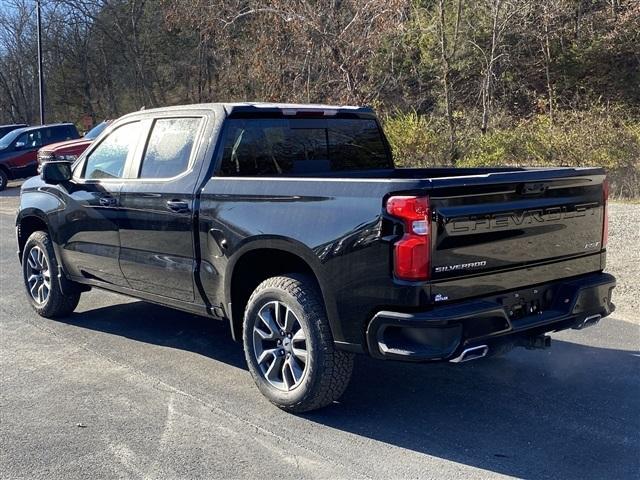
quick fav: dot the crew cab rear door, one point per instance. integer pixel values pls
(515, 219)
(157, 222)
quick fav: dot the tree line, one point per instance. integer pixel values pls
(457, 81)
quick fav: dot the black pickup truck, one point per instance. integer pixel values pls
(291, 223)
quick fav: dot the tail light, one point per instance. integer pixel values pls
(605, 202)
(412, 253)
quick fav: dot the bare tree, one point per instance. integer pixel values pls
(18, 68)
(448, 52)
(545, 40)
(501, 14)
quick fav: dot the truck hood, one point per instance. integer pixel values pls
(76, 147)
(32, 183)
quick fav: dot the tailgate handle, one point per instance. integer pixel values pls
(533, 188)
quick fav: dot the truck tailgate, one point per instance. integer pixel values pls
(504, 221)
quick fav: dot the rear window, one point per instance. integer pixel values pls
(273, 147)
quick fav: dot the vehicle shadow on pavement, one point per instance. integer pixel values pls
(569, 412)
(12, 190)
(154, 324)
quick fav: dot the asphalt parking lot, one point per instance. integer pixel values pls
(127, 389)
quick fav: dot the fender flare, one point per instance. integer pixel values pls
(292, 247)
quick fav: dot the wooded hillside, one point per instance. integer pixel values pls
(465, 82)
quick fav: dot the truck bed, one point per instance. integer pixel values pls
(490, 219)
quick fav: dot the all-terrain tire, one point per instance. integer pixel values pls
(57, 304)
(327, 371)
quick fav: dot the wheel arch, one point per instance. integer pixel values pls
(38, 208)
(29, 221)
(263, 258)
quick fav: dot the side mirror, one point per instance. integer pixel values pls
(19, 145)
(56, 172)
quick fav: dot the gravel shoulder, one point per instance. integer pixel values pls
(623, 258)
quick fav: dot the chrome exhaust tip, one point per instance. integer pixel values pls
(472, 353)
(588, 322)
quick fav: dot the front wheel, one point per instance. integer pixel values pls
(39, 267)
(289, 347)
(4, 179)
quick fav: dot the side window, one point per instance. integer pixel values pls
(21, 141)
(29, 140)
(169, 147)
(59, 134)
(109, 158)
(69, 132)
(50, 135)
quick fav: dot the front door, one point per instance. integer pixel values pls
(23, 163)
(156, 228)
(89, 233)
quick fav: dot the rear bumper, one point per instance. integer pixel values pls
(445, 331)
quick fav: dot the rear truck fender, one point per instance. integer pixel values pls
(278, 255)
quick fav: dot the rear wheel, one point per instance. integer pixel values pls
(39, 267)
(289, 347)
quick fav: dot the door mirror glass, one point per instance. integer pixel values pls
(56, 172)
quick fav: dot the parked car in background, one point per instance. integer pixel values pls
(19, 148)
(4, 129)
(70, 149)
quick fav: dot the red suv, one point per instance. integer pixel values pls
(19, 148)
(71, 149)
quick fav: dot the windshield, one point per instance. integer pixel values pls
(95, 131)
(9, 138)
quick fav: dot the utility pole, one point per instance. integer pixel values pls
(40, 72)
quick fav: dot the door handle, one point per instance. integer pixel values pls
(107, 201)
(178, 206)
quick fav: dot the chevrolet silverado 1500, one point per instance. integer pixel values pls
(291, 223)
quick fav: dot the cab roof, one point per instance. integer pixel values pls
(39, 127)
(257, 109)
